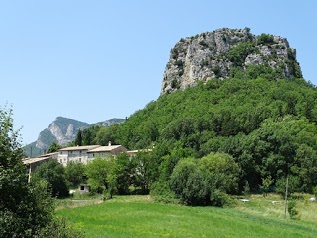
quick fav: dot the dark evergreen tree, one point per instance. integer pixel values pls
(79, 138)
(54, 147)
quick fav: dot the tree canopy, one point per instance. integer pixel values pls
(266, 126)
(53, 174)
(26, 209)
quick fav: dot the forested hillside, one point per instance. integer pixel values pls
(266, 126)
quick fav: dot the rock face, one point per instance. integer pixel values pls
(62, 130)
(216, 54)
(111, 122)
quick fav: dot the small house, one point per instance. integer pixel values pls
(84, 188)
(105, 151)
(84, 154)
(75, 154)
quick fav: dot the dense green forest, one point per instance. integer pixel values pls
(266, 127)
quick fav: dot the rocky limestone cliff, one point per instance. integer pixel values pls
(215, 55)
(62, 130)
(111, 122)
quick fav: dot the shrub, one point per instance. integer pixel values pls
(203, 43)
(206, 181)
(266, 183)
(175, 83)
(59, 228)
(216, 70)
(292, 210)
(221, 171)
(238, 53)
(162, 192)
(179, 63)
(293, 185)
(219, 199)
(189, 183)
(265, 39)
(74, 173)
(54, 174)
(246, 189)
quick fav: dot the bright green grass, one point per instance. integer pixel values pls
(137, 216)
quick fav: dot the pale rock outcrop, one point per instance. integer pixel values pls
(61, 130)
(205, 57)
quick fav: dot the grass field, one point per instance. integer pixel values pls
(139, 216)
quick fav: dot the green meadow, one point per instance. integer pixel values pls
(140, 216)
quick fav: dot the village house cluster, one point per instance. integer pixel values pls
(84, 154)
(79, 154)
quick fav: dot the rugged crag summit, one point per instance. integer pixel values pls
(62, 131)
(220, 53)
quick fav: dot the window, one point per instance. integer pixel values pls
(82, 188)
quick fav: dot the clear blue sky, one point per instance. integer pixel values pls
(97, 60)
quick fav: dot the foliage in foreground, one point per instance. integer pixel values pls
(53, 174)
(25, 209)
(58, 228)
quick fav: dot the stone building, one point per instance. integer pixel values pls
(84, 154)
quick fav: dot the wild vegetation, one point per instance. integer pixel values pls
(265, 128)
(249, 134)
(26, 209)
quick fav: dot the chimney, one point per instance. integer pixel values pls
(109, 143)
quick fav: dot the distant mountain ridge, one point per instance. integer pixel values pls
(63, 131)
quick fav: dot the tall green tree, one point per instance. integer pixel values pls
(89, 135)
(22, 211)
(205, 181)
(282, 147)
(145, 170)
(106, 134)
(26, 210)
(79, 138)
(189, 184)
(100, 175)
(54, 147)
(54, 174)
(125, 171)
(221, 171)
(74, 173)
